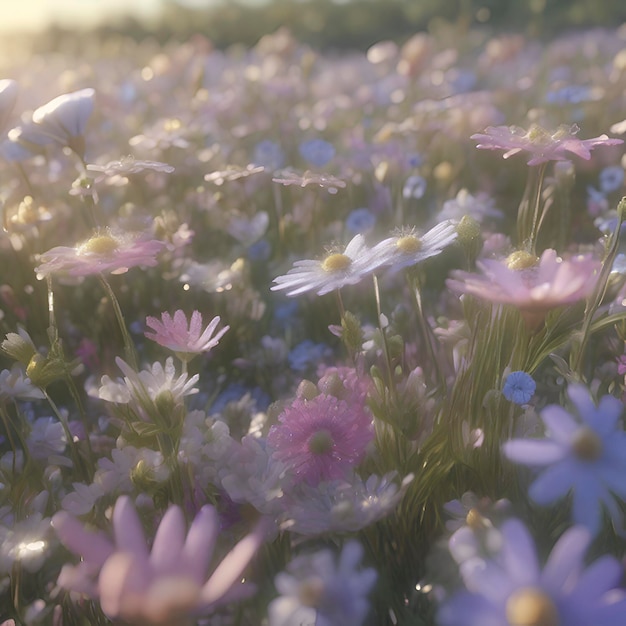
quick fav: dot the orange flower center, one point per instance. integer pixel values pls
(531, 607)
(587, 445)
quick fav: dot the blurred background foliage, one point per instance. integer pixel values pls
(348, 24)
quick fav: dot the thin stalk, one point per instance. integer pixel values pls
(129, 347)
(425, 331)
(600, 289)
(6, 420)
(383, 334)
(534, 229)
(78, 460)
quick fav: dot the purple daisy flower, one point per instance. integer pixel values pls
(162, 585)
(322, 438)
(511, 589)
(584, 455)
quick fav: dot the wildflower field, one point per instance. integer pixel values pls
(293, 338)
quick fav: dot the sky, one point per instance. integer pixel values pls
(34, 15)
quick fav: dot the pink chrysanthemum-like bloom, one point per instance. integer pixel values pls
(532, 285)
(106, 252)
(161, 586)
(543, 145)
(322, 438)
(185, 339)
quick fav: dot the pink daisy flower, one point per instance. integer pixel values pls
(105, 252)
(543, 145)
(533, 285)
(184, 339)
(322, 438)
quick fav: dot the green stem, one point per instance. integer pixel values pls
(78, 460)
(383, 334)
(129, 347)
(534, 229)
(6, 420)
(426, 331)
(600, 289)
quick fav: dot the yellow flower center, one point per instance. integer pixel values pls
(475, 520)
(587, 446)
(336, 263)
(531, 607)
(172, 124)
(409, 244)
(538, 135)
(521, 260)
(311, 591)
(100, 244)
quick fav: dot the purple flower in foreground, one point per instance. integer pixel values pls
(584, 455)
(512, 590)
(185, 339)
(104, 252)
(316, 589)
(164, 585)
(543, 145)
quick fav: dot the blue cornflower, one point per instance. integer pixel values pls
(306, 354)
(519, 387)
(260, 250)
(571, 94)
(317, 152)
(583, 454)
(511, 589)
(360, 221)
(414, 187)
(269, 154)
(611, 178)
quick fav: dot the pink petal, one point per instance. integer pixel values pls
(168, 541)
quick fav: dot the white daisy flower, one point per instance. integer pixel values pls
(409, 248)
(336, 270)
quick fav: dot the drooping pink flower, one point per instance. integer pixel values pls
(105, 252)
(164, 585)
(321, 438)
(174, 333)
(542, 145)
(532, 285)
